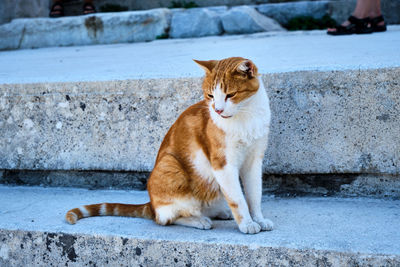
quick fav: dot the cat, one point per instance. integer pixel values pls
(211, 144)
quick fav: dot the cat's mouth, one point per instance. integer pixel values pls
(225, 117)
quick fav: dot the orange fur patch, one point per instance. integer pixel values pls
(234, 208)
(174, 174)
(93, 210)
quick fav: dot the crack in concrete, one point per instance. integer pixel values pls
(22, 37)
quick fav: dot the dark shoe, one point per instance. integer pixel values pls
(374, 24)
(88, 8)
(57, 10)
(357, 26)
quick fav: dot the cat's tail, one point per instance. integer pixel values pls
(110, 209)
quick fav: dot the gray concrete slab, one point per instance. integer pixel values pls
(322, 122)
(344, 231)
(272, 52)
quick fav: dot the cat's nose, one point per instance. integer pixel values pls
(219, 111)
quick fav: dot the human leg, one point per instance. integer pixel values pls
(359, 21)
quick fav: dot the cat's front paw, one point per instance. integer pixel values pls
(249, 227)
(265, 224)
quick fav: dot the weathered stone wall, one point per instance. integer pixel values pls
(283, 12)
(339, 10)
(135, 26)
(10, 9)
(148, 4)
(107, 28)
(33, 248)
(322, 122)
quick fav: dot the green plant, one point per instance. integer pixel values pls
(183, 4)
(162, 36)
(310, 23)
(113, 8)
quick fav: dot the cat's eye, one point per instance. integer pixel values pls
(210, 96)
(230, 95)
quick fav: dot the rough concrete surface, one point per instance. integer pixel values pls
(308, 232)
(334, 122)
(322, 122)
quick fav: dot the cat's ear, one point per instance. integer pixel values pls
(248, 68)
(207, 65)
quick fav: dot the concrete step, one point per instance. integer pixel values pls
(334, 101)
(308, 232)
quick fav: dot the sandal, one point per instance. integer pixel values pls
(57, 10)
(358, 26)
(374, 24)
(88, 8)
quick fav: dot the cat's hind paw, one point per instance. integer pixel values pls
(265, 224)
(203, 222)
(249, 227)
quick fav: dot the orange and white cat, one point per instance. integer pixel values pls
(211, 145)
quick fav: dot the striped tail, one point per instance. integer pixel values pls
(110, 209)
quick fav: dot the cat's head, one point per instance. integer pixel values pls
(229, 83)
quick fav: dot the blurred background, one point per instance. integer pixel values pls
(291, 14)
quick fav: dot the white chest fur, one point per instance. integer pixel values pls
(247, 131)
(250, 123)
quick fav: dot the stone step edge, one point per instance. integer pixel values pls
(21, 247)
(125, 84)
(285, 185)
